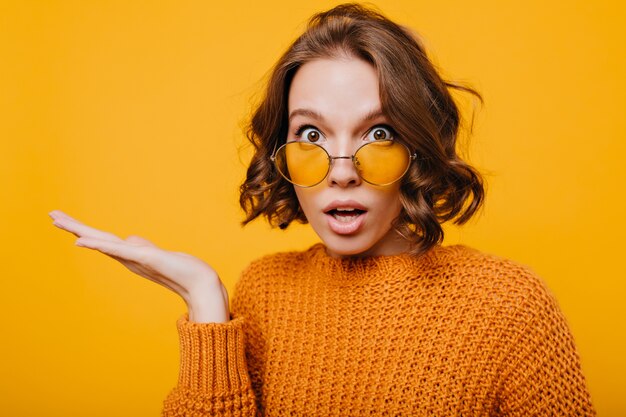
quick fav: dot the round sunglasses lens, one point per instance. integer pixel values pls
(383, 162)
(302, 163)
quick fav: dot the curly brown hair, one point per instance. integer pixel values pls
(438, 187)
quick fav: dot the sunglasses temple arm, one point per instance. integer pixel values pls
(273, 155)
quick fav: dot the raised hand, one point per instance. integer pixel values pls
(191, 278)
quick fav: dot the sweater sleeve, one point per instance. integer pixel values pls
(213, 378)
(544, 375)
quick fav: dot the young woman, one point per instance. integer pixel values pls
(356, 136)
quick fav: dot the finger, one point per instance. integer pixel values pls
(81, 230)
(138, 240)
(54, 214)
(119, 249)
(58, 214)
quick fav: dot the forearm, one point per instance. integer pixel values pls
(213, 379)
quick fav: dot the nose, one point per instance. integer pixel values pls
(343, 172)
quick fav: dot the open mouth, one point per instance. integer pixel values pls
(345, 215)
(346, 221)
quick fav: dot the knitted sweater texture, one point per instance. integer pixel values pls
(452, 332)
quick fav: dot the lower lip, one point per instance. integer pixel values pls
(346, 228)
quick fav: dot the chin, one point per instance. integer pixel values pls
(344, 247)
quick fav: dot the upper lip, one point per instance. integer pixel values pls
(344, 204)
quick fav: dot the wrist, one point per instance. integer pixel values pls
(206, 314)
(207, 307)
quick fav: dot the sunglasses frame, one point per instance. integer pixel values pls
(331, 159)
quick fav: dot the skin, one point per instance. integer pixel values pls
(341, 92)
(194, 280)
(333, 98)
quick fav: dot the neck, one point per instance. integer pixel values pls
(388, 247)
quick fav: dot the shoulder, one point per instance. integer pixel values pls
(496, 279)
(467, 262)
(267, 268)
(260, 279)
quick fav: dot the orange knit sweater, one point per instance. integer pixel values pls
(453, 332)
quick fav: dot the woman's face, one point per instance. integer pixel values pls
(335, 103)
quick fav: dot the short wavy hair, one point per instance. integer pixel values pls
(438, 187)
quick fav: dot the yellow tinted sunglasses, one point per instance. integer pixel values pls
(306, 164)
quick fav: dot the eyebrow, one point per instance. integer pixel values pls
(374, 114)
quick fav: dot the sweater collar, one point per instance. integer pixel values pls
(371, 269)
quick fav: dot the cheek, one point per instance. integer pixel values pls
(390, 203)
(306, 198)
(390, 194)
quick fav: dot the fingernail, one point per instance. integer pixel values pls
(79, 243)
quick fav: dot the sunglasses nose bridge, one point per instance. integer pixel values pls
(333, 158)
(344, 174)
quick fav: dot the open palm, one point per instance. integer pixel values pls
(191, 278)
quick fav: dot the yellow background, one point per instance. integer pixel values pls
(128, 115)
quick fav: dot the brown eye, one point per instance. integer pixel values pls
(380, 133)
(309, 134)
(313, 136)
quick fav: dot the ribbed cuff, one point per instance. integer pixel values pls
(212, 356)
